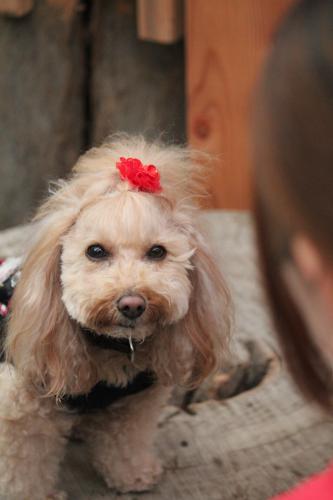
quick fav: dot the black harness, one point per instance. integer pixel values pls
(102, 394)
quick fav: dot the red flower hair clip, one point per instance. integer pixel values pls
(143, 177)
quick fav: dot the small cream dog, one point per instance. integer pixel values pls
(117, 301)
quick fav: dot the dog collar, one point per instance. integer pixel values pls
(103, 341)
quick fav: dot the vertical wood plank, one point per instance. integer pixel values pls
(41, 105)
(226, 42)
(136, 86)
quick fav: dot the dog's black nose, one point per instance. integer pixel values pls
(131, 306)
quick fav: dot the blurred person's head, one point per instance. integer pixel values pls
(293, 160)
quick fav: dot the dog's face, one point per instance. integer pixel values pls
(124, 266)
(123, 262)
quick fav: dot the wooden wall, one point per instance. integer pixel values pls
(136, 86)
(67, 81)
(41, 105)
(226, 42)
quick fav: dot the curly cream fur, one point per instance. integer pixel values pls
(183, 332)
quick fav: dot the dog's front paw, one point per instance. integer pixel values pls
(140, 477)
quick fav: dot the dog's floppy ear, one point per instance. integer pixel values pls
(207, 323)
(192, 349)
(42, 342)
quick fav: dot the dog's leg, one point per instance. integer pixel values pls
(32, 441)
(121, 440)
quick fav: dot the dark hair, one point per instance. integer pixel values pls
(293, 160)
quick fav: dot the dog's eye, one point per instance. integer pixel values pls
(96, 252)
(156, 252)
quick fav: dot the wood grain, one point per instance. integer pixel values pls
(226, 43)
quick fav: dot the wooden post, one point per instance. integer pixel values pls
(226, 42)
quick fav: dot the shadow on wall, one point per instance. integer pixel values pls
(66, 83)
